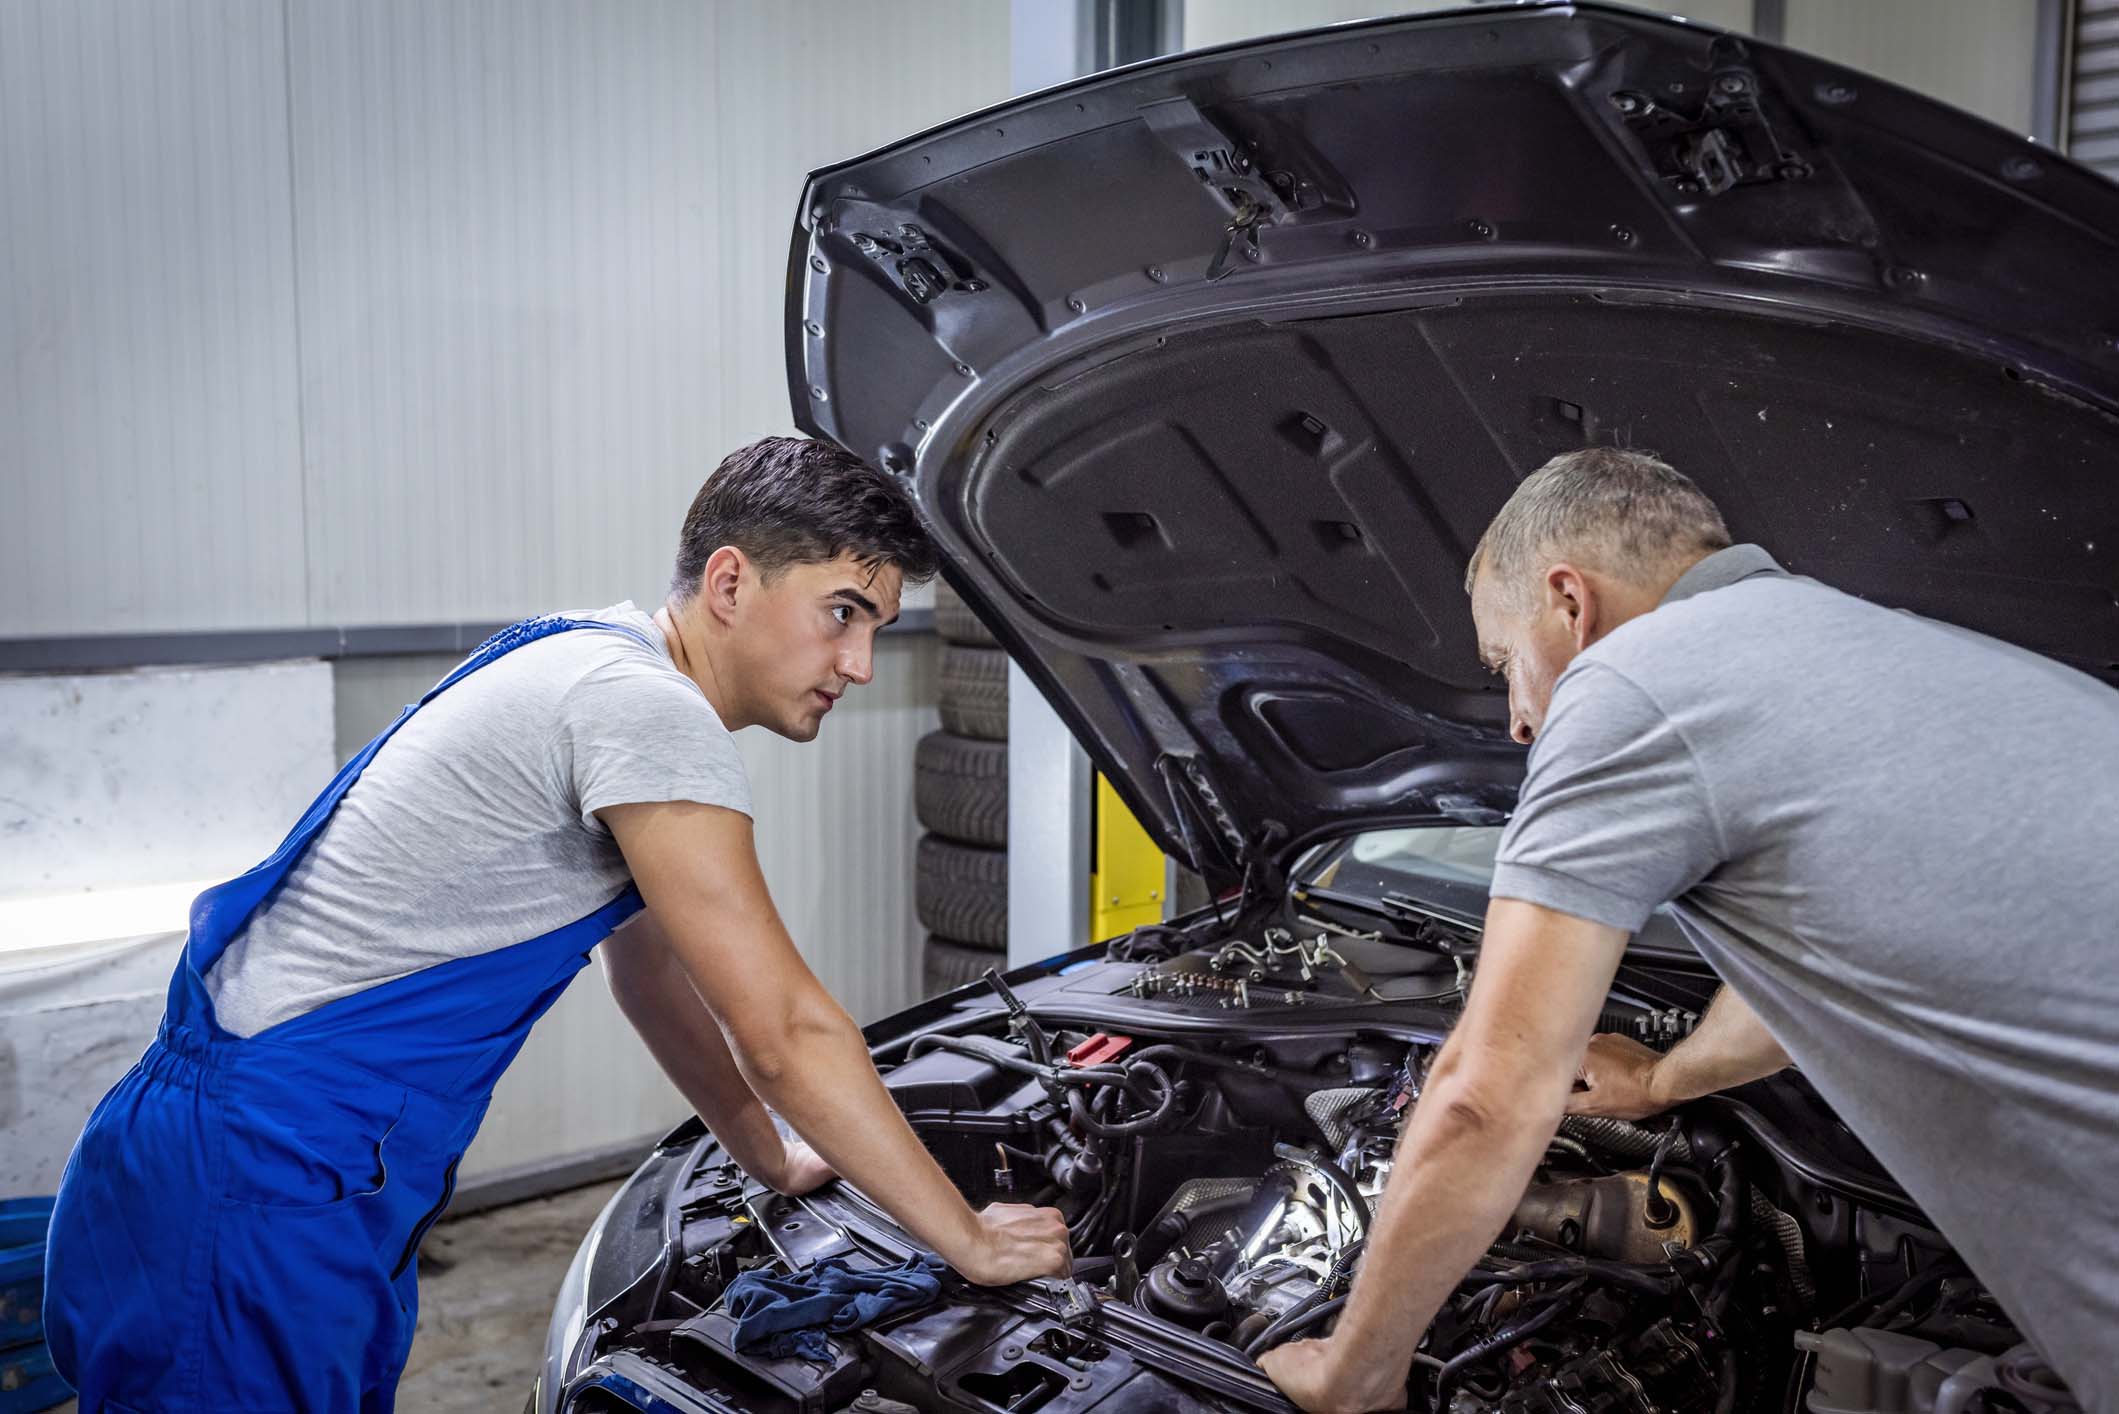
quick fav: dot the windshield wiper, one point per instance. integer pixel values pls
(1443, 930)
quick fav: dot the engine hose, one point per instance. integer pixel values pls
(1789, 1234)
(1327, 1293)
(1561, 1303)
(1139, 1124)
(1297, 1320)
(1164, 1233)
(1650, 1281)
(1661, 1211)
(1332, 1174)
(1725, 1402)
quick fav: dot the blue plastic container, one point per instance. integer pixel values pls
(23, 1224)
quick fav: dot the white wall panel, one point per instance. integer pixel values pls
(1976, 54)
(148, 427)
(508, 215)
(812, 82)
(1226, 21)
(111, 780)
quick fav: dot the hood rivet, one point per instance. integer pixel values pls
(2021, 169)
(816, 263)
(964, 368)
(1155, 273)
(1622, 234)
(1483, 231)
(1077, 306)
(1836, 94)
(1363, 239)
(1733, 83)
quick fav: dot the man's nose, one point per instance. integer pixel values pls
(1519, 727)
(857, 665)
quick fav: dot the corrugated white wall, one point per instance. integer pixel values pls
(1210, 22)
(1976, 54)
(398, 311)
(149, 438)
(432, 310)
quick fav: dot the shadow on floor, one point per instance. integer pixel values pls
(486, 1284)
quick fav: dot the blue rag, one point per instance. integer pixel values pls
(788, 1315)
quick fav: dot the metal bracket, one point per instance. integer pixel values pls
(1228, 168)
(1728, 142)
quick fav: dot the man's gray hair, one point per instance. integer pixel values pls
(1623, 513)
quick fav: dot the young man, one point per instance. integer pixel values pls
(238, 1225)
(1892, 838)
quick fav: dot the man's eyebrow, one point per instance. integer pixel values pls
(862, 602)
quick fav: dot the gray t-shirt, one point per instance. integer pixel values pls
(474, 828)
(1899, 842)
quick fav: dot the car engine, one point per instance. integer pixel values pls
(1219, 1155)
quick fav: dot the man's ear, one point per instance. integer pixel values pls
(1570, 593)
(721, 582)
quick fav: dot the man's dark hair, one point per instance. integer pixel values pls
(787, 501)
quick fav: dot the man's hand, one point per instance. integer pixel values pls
(1618, 1074)
(1469, 1146)
(1308, 1373)
(1017, 1242)
(802, 1170)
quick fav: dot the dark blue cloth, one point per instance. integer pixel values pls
(788, 1315)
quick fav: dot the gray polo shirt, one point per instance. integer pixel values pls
(1899, 842)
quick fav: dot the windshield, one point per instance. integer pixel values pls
(1461, 854)
(1450, 866)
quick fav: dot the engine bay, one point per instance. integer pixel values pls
(1217, 1118)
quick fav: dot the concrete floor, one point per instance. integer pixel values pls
(485, 1293)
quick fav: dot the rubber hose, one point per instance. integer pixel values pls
(1650, 1281)
(1294, 1323)
(1563, 1301)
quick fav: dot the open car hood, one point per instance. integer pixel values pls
(1209, 372)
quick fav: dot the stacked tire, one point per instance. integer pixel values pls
(960, 793)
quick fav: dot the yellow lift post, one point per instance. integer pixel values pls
(1126, 872)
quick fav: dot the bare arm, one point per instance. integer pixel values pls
(658, 998)
(1626, 1080)
(796, 1048)
(1492, 1100)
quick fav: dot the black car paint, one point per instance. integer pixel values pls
(1222, 521)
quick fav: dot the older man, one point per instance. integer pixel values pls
(1895, 840)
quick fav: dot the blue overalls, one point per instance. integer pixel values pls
(237, 1226)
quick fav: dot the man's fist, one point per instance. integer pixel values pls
(1616, 1080)
(802, 1170)
(1017, 1242)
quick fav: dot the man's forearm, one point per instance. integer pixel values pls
(1465, 1165)
(818, 1075)
(1731, 1046)
(651, 988)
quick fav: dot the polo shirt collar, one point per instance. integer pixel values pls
(1722, 569)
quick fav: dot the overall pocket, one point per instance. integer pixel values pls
(316, 1151)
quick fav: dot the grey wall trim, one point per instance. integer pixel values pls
(1769, 20)
(543, 1176)
(105, 652)
(2050, 66)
